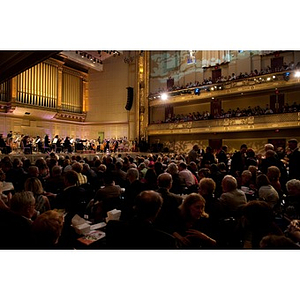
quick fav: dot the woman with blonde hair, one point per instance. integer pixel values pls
(47, 229)
(35, 186)
(192, 229)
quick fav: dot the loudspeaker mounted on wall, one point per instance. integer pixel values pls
(129, 98)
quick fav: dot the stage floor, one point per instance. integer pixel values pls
(83, 154)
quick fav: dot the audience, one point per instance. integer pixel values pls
(190, 206)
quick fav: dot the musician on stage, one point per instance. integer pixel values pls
(39, 144)
(47, 143)
(26, 145)
(67, 144)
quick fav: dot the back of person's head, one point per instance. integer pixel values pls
(270, 153)
(273, 173)
(293, 187)
(258, 213)
(183, 165)
(229, 183)
(21, 201)
(47, 228)
(108, 178)
(102, 168)
(56, 171)
(148, 204)
(141, 166)
(132, 174)
(33, 171)
(207, 186)
(204, 172)
(250, 153)
(246, 175)
(269, 146)
(222, 166)
(34, 185)
(77, 167)
(172, 168)
(224, 148)
(164, 180)
(17, 163)
(262, 180)
(119, 165)
(273, 241)
(71, 177)
(252, 169)
(193, 166)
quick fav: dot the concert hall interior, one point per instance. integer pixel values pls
(157, 101)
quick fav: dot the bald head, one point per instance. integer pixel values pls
(164, 180)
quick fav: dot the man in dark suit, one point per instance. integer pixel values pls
(171, 201)
(139, 232)
(73, 198)
(294, 159)
(238, 161)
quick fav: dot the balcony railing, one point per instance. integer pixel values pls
(284, 120)
(261, 82)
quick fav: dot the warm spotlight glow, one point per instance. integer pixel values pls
(269, 78)
(164, 96)
(297, 74)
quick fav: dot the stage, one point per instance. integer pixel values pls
(89, 154)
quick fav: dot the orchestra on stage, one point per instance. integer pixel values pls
(22, 143)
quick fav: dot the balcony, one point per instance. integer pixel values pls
(286, 80)
(251, 123)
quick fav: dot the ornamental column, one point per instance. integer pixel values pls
(142, 93)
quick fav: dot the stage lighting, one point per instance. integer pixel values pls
(286, 76)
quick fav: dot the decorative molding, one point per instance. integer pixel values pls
(70, 116)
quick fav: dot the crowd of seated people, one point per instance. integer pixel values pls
(233, 76)
(231, 113)
(197, 200)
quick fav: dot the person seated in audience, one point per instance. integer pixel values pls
(170, 204)
(292, 204)
(15, 222)
(46, 230)
(16, 175)
(55, 183)
(207, 187)
(44, 171)
(266, 191)
(247, 185)
(78, 167)
(72, 199)
(172, 169)
(92, 178)
(188, 180)
(133, 188)
(192, 228)
(271, 159)
(106, 198)
(258, 221)
(232, 198)
(34, 185)
(139, 231)
(150, 179)
(273, 241)
(119, 176)
(274, 174)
